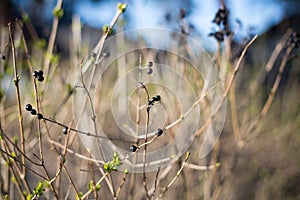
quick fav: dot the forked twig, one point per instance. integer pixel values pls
(230, 83)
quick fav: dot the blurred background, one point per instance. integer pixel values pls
(246, 16)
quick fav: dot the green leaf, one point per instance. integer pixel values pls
(13, 154)
(1, 94)
(25, 18)
(90, 185)
(38, 191)
(187, 155)
(114, 164)
(70, 88)
(126, 171)
(40, 44)
(29, 197)
(79, 195)
(98, 186)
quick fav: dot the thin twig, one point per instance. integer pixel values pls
(272, 94)
(276, 83)
(121, 184)
(20, 116)
(72, 152)
(98, 183)
(176, 176)
(52, 38)
(201, 168)
(145, 142)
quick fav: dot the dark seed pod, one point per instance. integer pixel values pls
(28, 107)
(133, 148)
(149, 71)
(3, 57)
(159, 132)
(33, 112)
(39, 116)
(65, 130)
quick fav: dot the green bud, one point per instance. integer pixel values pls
(58, 12)
(122, 7)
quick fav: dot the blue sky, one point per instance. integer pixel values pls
(260, 14)
(255, 15)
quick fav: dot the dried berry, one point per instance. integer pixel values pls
(33, 112)
(35, 74)
(65, 130)
(149, 71)
(150, 64)
(3, 57)
(156, 98)
(28, 107)
(106, 54)
(39, 116)
(40, 72)
(159, 132)
(133, 148)
(41, 78)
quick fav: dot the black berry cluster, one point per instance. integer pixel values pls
(149, 67)
(39, 75)
(153, 100)
(222, 20)
(294, 40)
(33, 111)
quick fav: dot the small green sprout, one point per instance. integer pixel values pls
(91, 186)
(38, 191)
(114, 164)
(126, 171)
